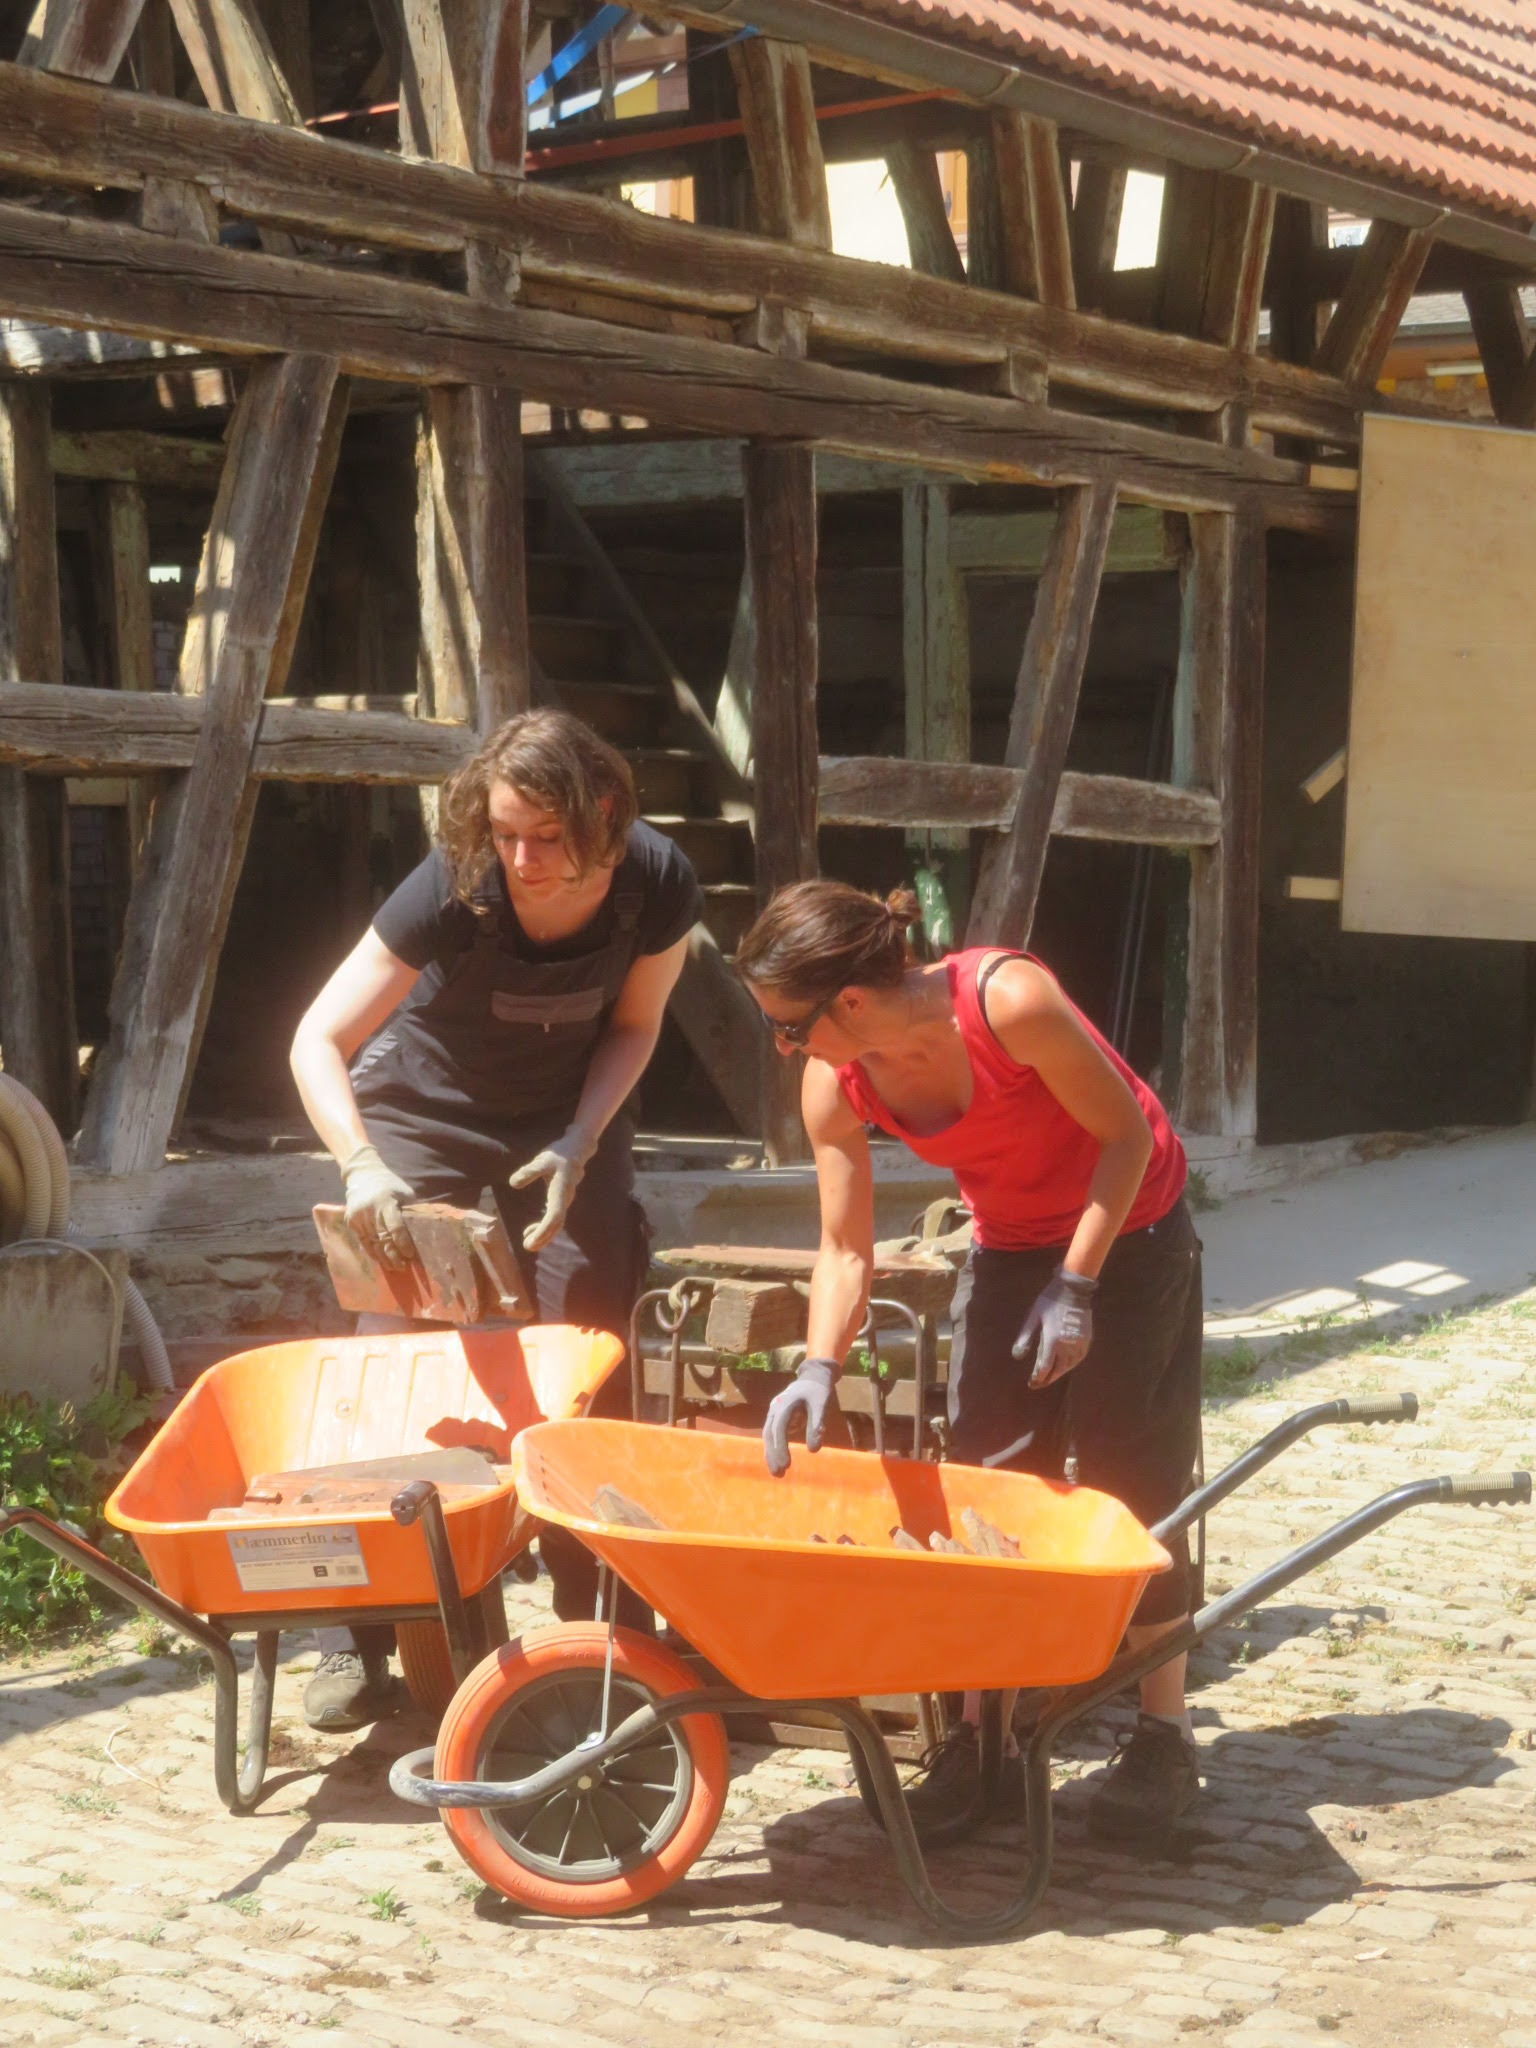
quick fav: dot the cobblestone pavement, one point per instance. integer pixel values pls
(1362, 1866)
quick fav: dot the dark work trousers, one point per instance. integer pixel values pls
(589, 1274)
(1129, 1414)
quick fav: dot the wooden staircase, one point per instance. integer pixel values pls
(595, 655)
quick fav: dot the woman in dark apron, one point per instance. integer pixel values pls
(487, 1033)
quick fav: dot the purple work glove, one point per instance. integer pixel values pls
(812, 1391)
(1062, 1320)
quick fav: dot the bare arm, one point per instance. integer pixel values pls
(368, 985)
(1038, 1027)
(623, 1052)
(845, 1260)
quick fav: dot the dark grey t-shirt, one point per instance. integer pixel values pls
(423, 920)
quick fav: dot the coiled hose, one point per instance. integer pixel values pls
(34, 1203)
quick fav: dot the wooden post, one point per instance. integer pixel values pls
(1381, 281)
(122, 533)
(780, 514)
(1504, 343)
(461, 94)
(1218, 743)
(920, 195)
(37, 993)
(290, 33)
(462, 102)
(1095, 231)
(1215, 248)
(473, 660)
(778, 111)
(936, 661)
(83, 38)
(233, 59)
(1034, 210)
(1300, 238)
(1044, 708)
(245, 615)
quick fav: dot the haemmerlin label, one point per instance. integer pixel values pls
(298, 1560)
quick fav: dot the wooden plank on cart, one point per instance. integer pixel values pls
(465, 1270)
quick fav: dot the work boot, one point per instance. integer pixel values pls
(349, 1691)
(1153, 1780)
(952, 1772)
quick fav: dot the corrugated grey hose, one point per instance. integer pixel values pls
(34, 1203)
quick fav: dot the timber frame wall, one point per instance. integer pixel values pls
(445, 267)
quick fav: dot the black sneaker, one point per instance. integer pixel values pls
(951, 1774)
(349, 1691)
(1154, 1779)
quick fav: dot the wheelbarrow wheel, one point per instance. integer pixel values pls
(626, 1838)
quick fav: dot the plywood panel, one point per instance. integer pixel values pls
(1440, 814)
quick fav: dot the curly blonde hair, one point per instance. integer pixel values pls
(555, 761)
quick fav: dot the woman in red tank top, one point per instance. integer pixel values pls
(1077, 1317)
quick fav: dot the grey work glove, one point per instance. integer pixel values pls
(374, 1195)
(1062, 1320)
(812, 1391)
(562, 1164)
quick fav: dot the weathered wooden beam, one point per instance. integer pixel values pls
(250, 591)
(1218, 737)
(234, 61)
(31, 348)
(290, 31)
(1015, 543)
(1034, 210)
(78, 135)
(100, 274)
(1504, 343)
(128, 456)
(882, 790)
(920, 195)
(62, 731)
(82, 38)
(779, 504)
(1382, 280)
(37, 995)
(1044, 709)
(778, 110)
(461, 92)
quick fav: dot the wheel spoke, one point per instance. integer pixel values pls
(546, 1829)
(621, 1830)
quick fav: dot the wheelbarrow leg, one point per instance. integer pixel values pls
(239, 1783)
(869, 1750)
(421, 1501)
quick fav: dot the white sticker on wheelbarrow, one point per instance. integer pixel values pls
(293, 1560)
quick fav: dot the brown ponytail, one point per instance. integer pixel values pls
(818, 937)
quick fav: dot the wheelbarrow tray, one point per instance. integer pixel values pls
(735, 1569)
(329, 1402)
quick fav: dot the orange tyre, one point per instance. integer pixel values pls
(619, 1840)
(425, 1665)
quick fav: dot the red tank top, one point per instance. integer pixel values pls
(1022, 1164)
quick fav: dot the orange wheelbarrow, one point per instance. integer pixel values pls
(582, 1769)
(347, 1480)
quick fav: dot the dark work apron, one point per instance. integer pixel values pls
(501, 1033)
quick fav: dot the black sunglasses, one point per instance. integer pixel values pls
(799, 1031)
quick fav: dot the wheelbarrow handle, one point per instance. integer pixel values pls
(1465, 1489)
(1322, 1415)
(1489, 1489)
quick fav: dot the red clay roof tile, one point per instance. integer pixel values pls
(1438, 94)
